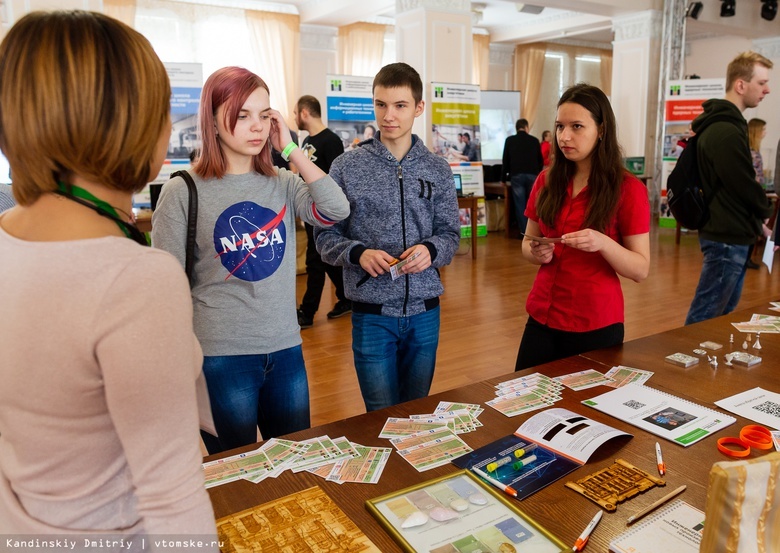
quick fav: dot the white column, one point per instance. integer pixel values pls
(434, 37)
(635, 81)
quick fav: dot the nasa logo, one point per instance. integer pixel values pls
(250, 240)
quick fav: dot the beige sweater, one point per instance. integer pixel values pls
(98, 409)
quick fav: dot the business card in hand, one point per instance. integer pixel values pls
(542, 239)
(395, 266)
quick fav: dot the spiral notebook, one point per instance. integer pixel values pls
(670, 417)
(676, 527)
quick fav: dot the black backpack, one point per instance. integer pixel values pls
(684, 192)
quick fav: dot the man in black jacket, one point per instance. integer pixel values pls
(737, 203)
(522, 162)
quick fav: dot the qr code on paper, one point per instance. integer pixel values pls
(631, 404)
(768, 407)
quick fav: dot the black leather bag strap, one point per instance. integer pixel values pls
(192, 224)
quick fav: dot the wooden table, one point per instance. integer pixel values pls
(143, 220)
(559, 509)
(472, 203)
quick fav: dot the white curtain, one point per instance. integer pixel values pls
(481, 61)
(361, 47)
(275, 39)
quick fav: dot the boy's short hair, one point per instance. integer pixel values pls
(742, 67)
(310, 104)
(80, 93)
(399, 75)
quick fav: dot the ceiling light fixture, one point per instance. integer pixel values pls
(694, 9)
(768, 9)
(728, 8)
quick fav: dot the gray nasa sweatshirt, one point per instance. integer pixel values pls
(243, 295)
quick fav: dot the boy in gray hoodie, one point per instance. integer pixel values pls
(403, 207)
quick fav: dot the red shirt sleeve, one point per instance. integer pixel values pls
(634, 208)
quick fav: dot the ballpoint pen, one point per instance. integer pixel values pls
(659, 459)
(579, 545)
(500, 485)
(655, 505)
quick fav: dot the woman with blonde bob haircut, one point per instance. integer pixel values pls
(98, 407)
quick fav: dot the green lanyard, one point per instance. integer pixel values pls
(99, 205)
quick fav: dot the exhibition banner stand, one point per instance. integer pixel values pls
(682, 106)
(186, 84)
(456, 137)
(350, 109)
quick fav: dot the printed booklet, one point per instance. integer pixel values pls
(554, 442)
(678, 420)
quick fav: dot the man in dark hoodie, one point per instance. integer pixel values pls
(737, 203)
(404, 209)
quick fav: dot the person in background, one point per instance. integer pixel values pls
(522, 162)
(738, 205)
(756, 133)
(6, 198)
(368, 132)
(321, 146)
(546, 146)
(600, 215)
(99, 420)
(404, 208)
(243, 289)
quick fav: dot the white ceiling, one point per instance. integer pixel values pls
(581, 20)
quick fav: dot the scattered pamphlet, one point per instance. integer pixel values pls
(397, 265)
(365, 468)
(236, 467)
(583, 380)
(775, 305)
(621, 376)
(765, 324)
(776, 439)
(759, 405)
(431, 448)
(560, 440)
(524, 394)
(676, 528)
(267, 461)
(675, 419)
(395, 427)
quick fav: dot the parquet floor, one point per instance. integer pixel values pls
(483, 316)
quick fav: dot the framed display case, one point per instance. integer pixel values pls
(459, 513)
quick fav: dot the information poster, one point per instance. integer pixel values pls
(456, 136)
(186, 84)
(351, 109)
(682, 106)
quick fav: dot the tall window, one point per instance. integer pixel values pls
(182, 32)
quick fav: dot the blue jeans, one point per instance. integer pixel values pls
(522, 183)
(394, 356)
(720, 283)
(269, 391)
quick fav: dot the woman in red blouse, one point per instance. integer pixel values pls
(546, 145)
(599, 217)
